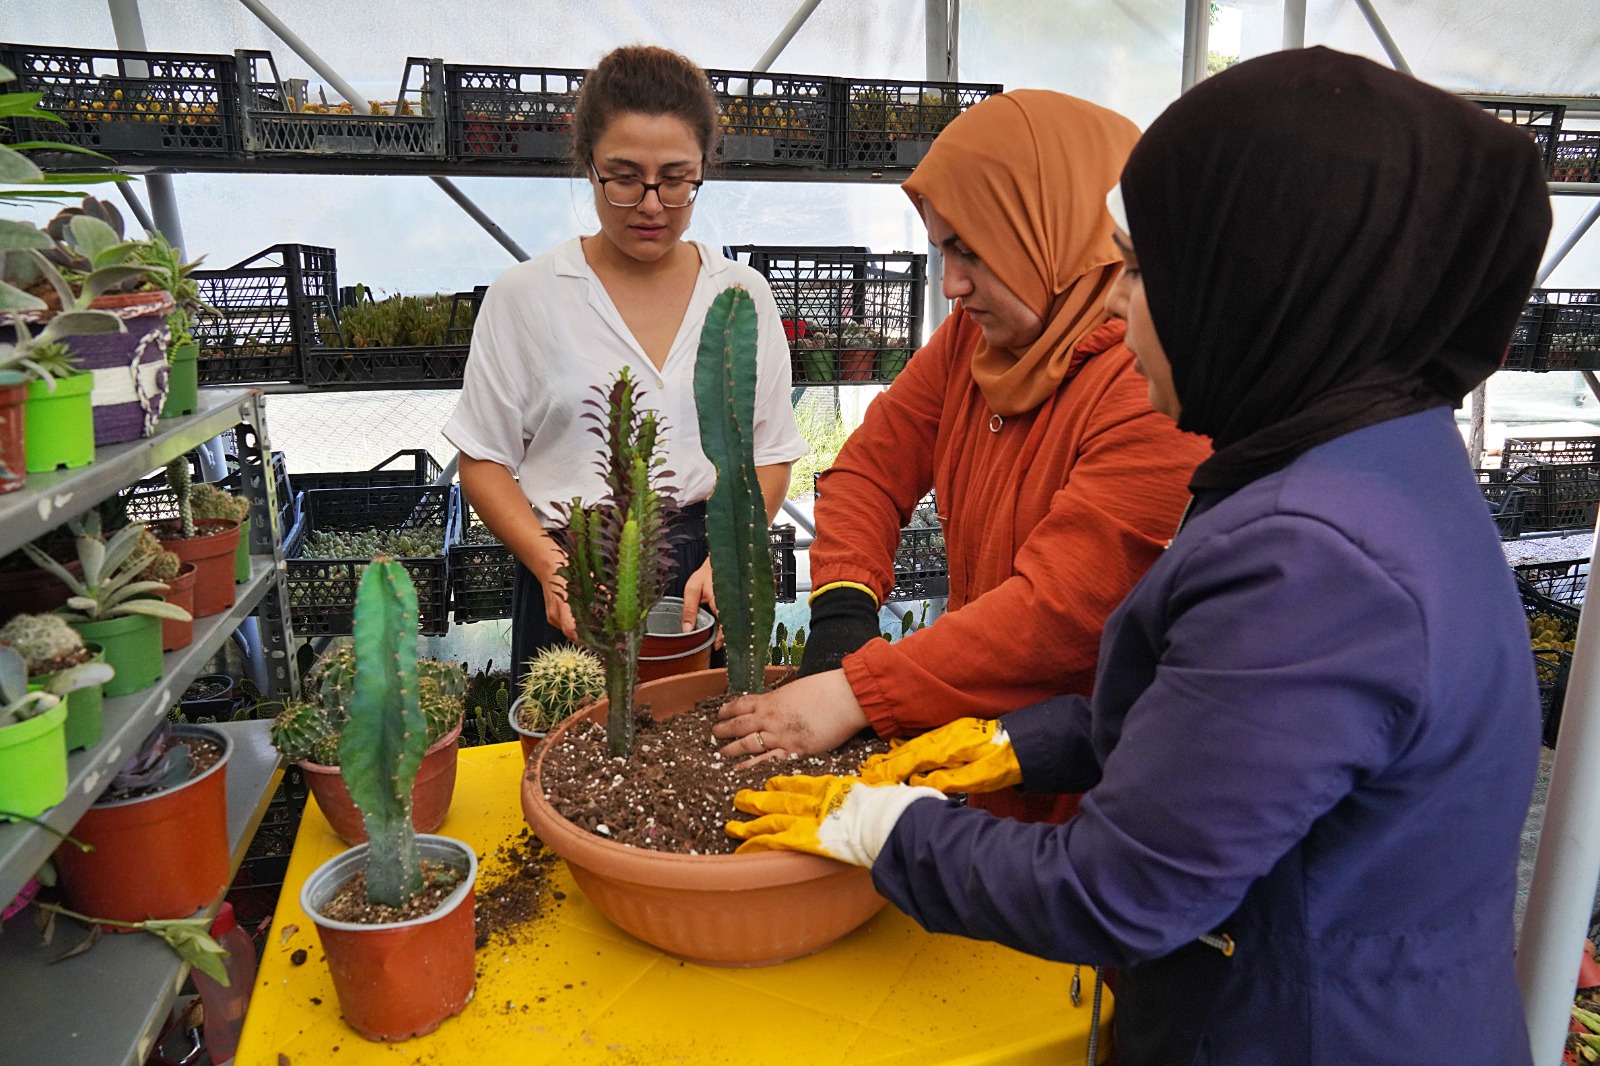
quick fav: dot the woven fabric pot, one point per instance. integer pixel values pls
(398, 980)
(60, 427)
(211, 550)
(85, 715)
(180, 593)
(183, 379)
(159, 856)
(33, 763)
(130, 369)
(13, 447)
(430, 794)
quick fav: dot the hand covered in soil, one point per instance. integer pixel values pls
(839, 818)
(807, 716)
(698, 592)
(968, 755)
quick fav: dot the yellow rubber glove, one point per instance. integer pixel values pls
(968, 755)
(835, 817)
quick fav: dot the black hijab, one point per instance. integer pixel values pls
(1327, 244)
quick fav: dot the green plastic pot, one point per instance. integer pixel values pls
(85, 717)
(60, 426)
(183, 379)
(132, 646)
(33, 763)
(241, 555)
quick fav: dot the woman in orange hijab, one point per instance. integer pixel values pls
(1057, 483)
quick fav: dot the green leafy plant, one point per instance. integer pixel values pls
(558, 681)
(17, 169)
(111, 585)
(736, 513)
(618, 555)
(17, 704)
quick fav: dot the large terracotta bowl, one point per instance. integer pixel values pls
(720, 910)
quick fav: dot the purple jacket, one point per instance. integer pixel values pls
(1315, 730)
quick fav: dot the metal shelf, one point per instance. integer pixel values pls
(128, 720)
(48, 500)
(107, 1006)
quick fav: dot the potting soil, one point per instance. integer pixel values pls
(350, 903)
(513, 889)
(676, 791)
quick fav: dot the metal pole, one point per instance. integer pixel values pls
(940, 67)
(1380, 31)
(358, 103)
(136, 206)
(785, 35)
(129, 31)
(1294, 23)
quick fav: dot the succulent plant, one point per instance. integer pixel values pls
(43, 640)
(736, 513)
(618, 550)
(110, 586)
(558, 681)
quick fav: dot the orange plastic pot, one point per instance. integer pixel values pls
(719, 910)
(158, 856)
(430, 795)
(180, 593)
(211, 550)
(401, 979)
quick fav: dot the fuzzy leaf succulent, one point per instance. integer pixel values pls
(110, 586)
(558, 681)
(619, 557)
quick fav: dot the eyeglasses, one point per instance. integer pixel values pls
(630, 192)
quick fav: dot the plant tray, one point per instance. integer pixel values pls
(783, 120)
(267, 304)
(517, 112)
(921, 571)
(129, 104)
(1559, 329)
(1540, 119)
(889, 125)
(407, 467)
(851, 316)
(322, 592)
(276, 122)
(482, 570)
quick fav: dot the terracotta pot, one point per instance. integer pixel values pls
(430, 795)
(13, 442)
(180, 593)
(158, 856)
(30, 590)
(719, 910)
(211, 550)
(401, 979)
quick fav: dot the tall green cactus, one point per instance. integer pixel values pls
(619, 558)
(736, 514)
(382, 745)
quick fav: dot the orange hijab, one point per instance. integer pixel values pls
(1022, 178)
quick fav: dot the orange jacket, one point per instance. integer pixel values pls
(1049, 521)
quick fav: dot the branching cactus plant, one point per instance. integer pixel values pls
(619, 557)
(736, 514)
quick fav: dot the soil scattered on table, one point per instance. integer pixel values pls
(676, 792)
(513, 889)
(350, 903)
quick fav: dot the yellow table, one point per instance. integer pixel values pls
(579, 990)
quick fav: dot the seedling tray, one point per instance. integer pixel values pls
(778, 120)
(522, 113)
(267, 304)
(889, 125)
(322, 592)
(277, 124)
(128, 104)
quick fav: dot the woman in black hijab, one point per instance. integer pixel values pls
(1315, 728)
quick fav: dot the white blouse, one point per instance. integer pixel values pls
(547, 332)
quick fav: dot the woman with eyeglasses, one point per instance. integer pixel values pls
(635, 295)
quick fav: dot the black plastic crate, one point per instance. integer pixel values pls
(1577, 156)
(267, 304)
(1559, 329)
(522, 113)
(888, 125)
(128, 104)
(277, 123)
(432, 366)
(407, 467)
(783, 120)
(1565, 581)
(850, 315)
(482, 570)
(1540, 119)
(322, 592)
(921, 571)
